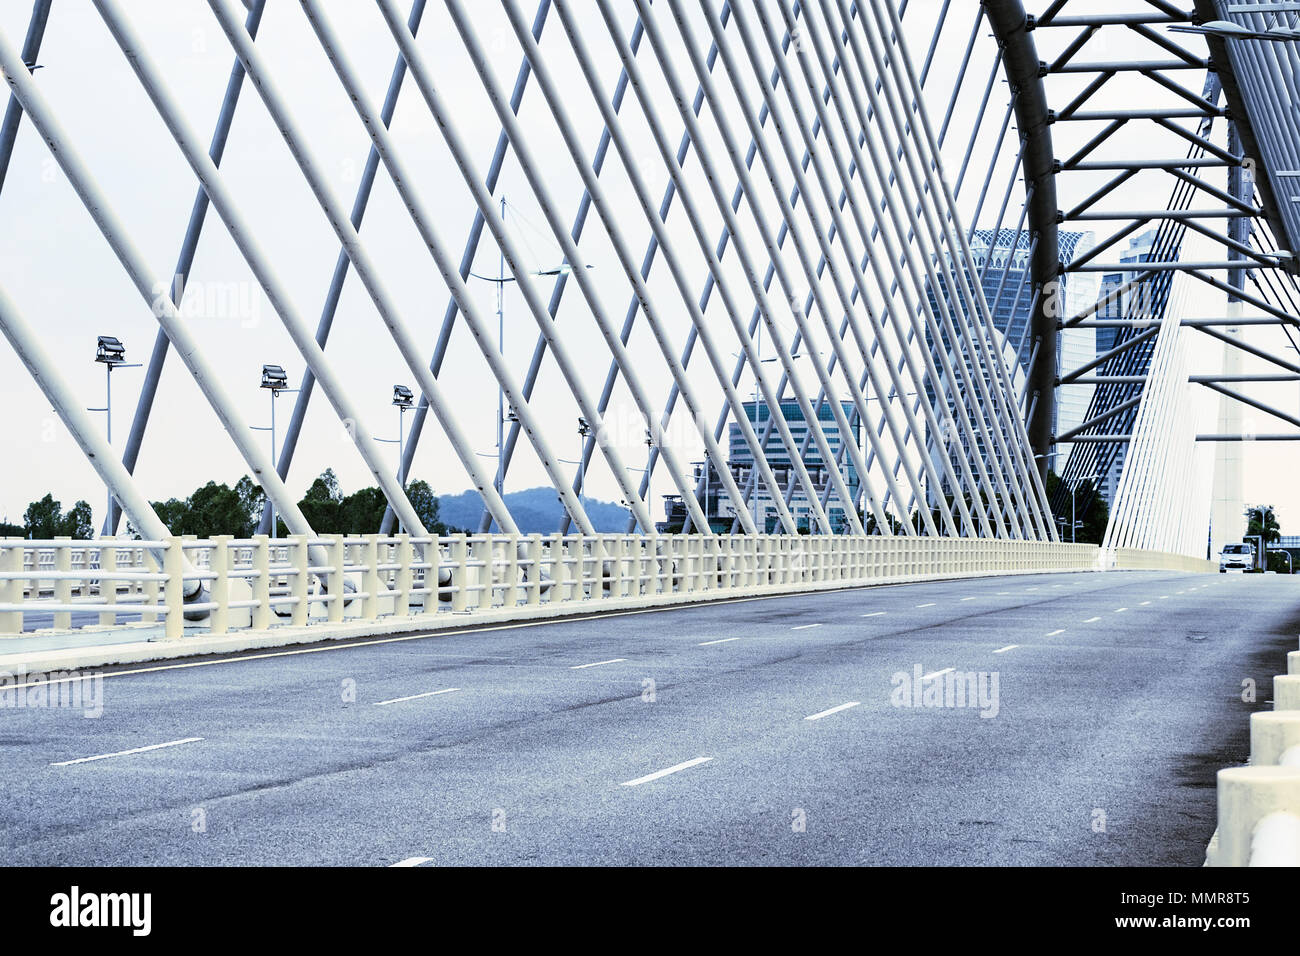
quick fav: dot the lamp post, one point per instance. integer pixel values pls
(111, 353)
(275, 380)
(499, 280)
(403, 399)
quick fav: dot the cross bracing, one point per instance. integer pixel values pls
(701, 210)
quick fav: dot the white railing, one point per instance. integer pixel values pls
(260, 583)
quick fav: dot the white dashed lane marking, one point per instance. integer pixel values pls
(676, 768)
(432, 693)
(833, 710)
(616, 660)
(125, 753)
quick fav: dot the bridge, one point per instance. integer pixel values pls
(875, 304)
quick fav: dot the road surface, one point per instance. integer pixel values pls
(770, 731)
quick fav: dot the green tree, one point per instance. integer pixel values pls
(1260, 520)
(46, 519)
(425, 503)
(252, 500)
(78, 522)
(362, 512)
(322, 505)
(214, 509)
(43, 519)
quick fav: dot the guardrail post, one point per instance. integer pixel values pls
(483, 551)
(149, 590)
(11, 561)
(403, 555)
(300, 583)
(510, 583)
(1286, 692)
(261, 582)
(337, 549)
(174, 593)
(534, 590)
(1247, 795)
(1275, 738)
(370, 582)
(460, 572)
(62, 586)
(107, 586)
(219, 589)
(559, 590)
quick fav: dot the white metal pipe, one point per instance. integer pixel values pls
(340, 221)
(113, 230)
(528, 163)
(242, 235)
(973, 379)
(1040, 509)
(423, 220)
(751, 275)
(45, 372)
(824, 180)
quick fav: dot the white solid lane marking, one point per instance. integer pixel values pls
(931, 604)
(1003, 650)
(874, 614)
(937, 673)
(124, 753)
(412, 861)
(1091, 620)
(833, 710)
(1058, 631)
(432, 693)
(663, 773)
(804, 627)
(615, 660)
(723, 640)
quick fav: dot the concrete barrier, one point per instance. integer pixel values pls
(1286, 692)
(1293, 662)
(1275, 738)
(1248, 832)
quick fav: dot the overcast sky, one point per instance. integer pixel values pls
(64, 278)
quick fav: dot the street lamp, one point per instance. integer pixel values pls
(275, 380)
(499, 280)
(111, 353)
(403, 399)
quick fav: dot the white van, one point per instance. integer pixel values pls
(1236, 557)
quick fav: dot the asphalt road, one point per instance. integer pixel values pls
(783, 721)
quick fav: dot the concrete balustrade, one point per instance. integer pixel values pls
(383, 584)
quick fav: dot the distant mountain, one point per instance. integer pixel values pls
(536, 511)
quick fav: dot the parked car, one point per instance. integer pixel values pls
(1236, 557)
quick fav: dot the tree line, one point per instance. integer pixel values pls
(216, 508)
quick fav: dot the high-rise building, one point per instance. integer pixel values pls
(718, 505)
